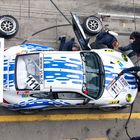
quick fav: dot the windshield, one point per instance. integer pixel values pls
(93, 74)
(27, 72)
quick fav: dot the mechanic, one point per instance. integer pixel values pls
(105, 40)
(134, 70)
(70, 45)
(133, 46)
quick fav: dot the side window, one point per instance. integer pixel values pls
(70, 96)
(42, 95)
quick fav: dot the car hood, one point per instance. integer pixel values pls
(114, 62)
(62, 71)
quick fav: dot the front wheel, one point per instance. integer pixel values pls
(8, 26)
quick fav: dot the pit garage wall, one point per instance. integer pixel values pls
(35, 15)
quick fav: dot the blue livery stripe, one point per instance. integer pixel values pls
(37, 47)
(129, 77)
(76, 82)
(5, 68)
(49, 75)
(76, 60)
(111, 67)
(132, 82)
(63, 57)
(11, 77)
(12, 67)
(40, 103)
(62, 64)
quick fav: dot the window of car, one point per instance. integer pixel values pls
(70, 96)
(42, 95)
(93, 74)
(27, 72)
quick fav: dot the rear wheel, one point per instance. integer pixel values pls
(8, 26)
(92, 25)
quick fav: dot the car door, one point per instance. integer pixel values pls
(70, 98)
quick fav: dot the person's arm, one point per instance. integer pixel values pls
(132, 69)
(68, 46)
(135, 69)
(125, 48)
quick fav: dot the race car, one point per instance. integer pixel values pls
(37, 77)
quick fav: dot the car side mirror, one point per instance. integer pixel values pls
(86, 100)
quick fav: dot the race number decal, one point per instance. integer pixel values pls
(32, 82)
(116, 86)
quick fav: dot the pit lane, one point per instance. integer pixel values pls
(70, 124)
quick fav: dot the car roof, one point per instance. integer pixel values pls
(63, 71)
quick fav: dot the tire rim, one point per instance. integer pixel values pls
(8, 25)
(93, 24)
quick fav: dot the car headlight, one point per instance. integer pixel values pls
(128, 97)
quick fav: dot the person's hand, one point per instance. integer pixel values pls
(120, 74)
(115, 44)
(138, 73)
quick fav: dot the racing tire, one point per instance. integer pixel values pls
(8, 26)
(92, 25)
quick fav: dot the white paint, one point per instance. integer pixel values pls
(1, 68)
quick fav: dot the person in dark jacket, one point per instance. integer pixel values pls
(70, 45)
(105, 40)
(134, 70)
(136, 47)
(133, 46)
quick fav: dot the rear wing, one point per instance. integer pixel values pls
(1, 68)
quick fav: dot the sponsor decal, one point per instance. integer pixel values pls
(114, 102)
(129, 98)
(120, 63)
(109, 50)
(117, 86)
(23, 92)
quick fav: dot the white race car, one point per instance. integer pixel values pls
(37, 77)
